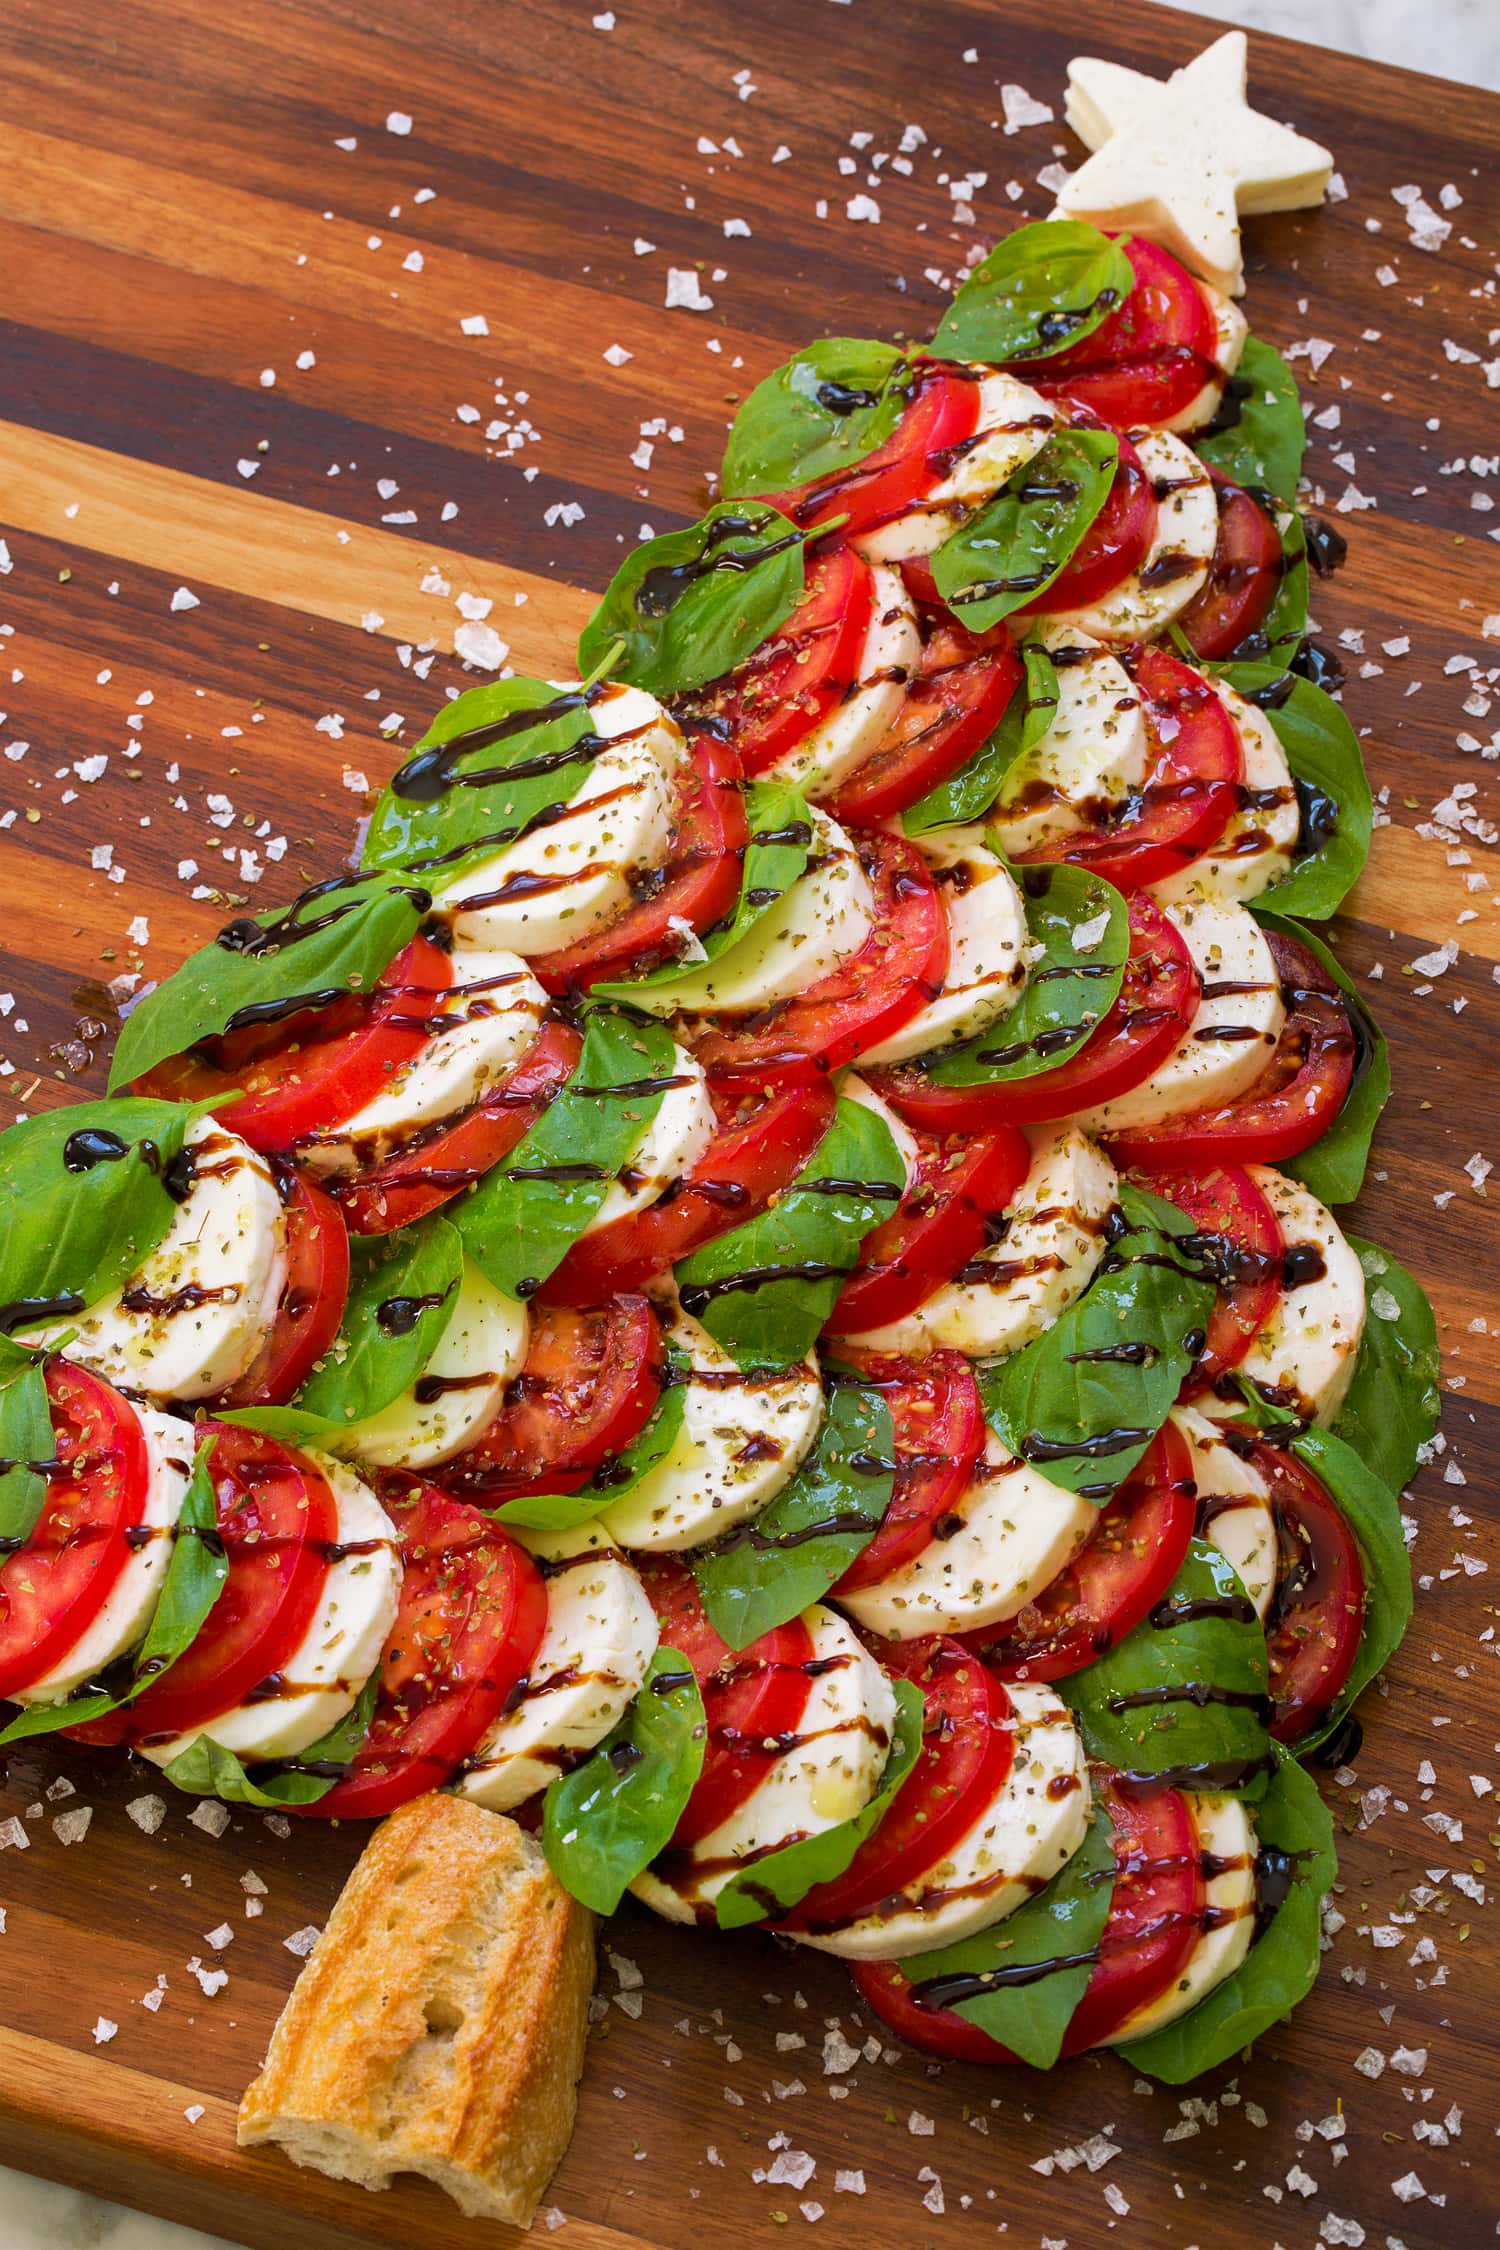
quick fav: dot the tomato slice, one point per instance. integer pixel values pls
(1149, 359)
(944, 1219)
(1116, 543)
(1240, 1238)
(444, 1159)
(794, 679)
(753, 1698)
(473, 1610)
(1190, 791)
(1156, 1003)
(1318, 1609)
(897, 476)
(312, 1298)
(313, 1069)
(955, 702)
(590, 1382)
(1242, 579)
(1305, 1084)
(1112, 1583)
(54, 1586)
(767, 1132)
(697, 883)
(894, 974)
(938, 1425)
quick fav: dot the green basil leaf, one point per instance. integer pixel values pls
(1069, 988)
(1281, 1967)
(522, 1218)
(774, 1884)
(1022, 1979)
(1044, 287)
(27, 1443)
(84, 1200)
(1334, 1167)
(692, 604)
(612, 1480)
(206, 1769)
(402, 1290)
(1022, 539)
(1183, 1697)
(1263, 449)
(604, 1823)
(1373, 1513)
(769, 1570)
(1285, 623)
(764, 1290)
(292, 1425)
(1333, 788)
(1391, 1408)
(968, 794)
(337, 938)
(820, 412)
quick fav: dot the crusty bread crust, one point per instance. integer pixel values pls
(439, 2024)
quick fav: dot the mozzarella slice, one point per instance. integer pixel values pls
(1006, 1537)
(480, 1028)
(1026, 1833)
(1052, 1239)
(1015, 422)
(1234, 1506)
(1226, 1837)
(671, 1145)
(744, 1435)
(988, 946)
(324, 1675)
(600, 1636)
(459, 1392)
(570, 876)
(1233, 1034)
(195, 1313)
(854, 1089)
(1177, 562)
(1230, 330)
(860, 721)
(1309, 1347)
(1259, 841)
(825, 1775)
(1094, 754)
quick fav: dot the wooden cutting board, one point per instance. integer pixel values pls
(281, 379)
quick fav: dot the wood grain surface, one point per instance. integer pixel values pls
(234, 360)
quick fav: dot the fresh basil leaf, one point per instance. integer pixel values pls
(611, 1481)
(1373, 1513)
(1334, 1167)
(774, 1884)
(1333, 789)
(1292, 1826)
(526, 746)
(1022, 539)
(1044, 287)
(27, 1443)
(522, 1218)
(604, 1823)
(764, 1290)
(968, 794)
(292, 1425)
(336, 938)
(692, 604)
(1021, 1980)
(1281, 631)
(206, 1769)
(1262, 449)
(1070, 985)
(402, 1291)
(769, 1570)
(1183, 1698)
(1391, 1408)
(820, 412)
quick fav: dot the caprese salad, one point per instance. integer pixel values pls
(759, 1284)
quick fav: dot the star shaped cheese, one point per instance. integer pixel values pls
(1180, 160)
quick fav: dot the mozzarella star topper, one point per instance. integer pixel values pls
(1181, 161)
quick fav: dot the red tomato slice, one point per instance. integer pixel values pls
(942, 1221)
(794, 679)
(1318, 1609)
(938, 1423)
(1116, 543)
(312, 1299)
(437, 1164)
(1150, 357)
(1305, 1084)
(895, 972)
(1242, 1238)
(898, 475)
(591, 1380)
(473, 1610)
(313, 1069)
(1242, 579)
(697, 883)
(753, 1698)
(1156, 1003)
(954, 704)
(1113, 1582)
(1190, 790)
(54, 1586)
(766, 1134)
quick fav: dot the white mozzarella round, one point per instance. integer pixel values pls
(825, 1776)
(859, 722)
(671, 1145)
(1177, 561)
(1227, 1835)
(988, 946)
(1259, 840)
(1234, 1506)
(1094, 754)
(1027, 1832)
(1006, 1538)
(481, 1026)
(565, 880)
(1052, 1240)
(341, 1647)
(1233, 1034)
(600, 1636)
(744, 1435)
(1014, 424)
(1309, 1347)
(854, 1089)
(1230, 330)
(459, 1392)
(194, 1314)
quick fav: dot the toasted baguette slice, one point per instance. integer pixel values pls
(439, 2024)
